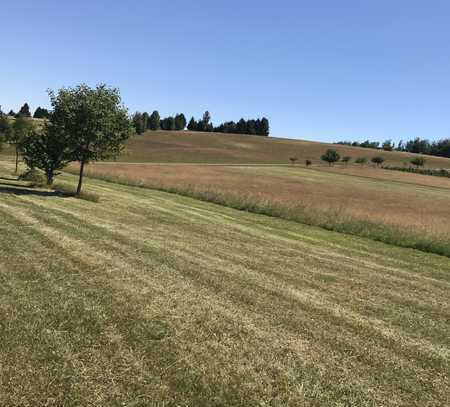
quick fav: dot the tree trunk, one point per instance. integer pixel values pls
(80, 179)
(17, 159)
(49, 178)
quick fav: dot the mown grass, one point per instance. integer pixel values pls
(149, 298)
(392, 212)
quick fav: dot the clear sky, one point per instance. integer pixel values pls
(319, 70)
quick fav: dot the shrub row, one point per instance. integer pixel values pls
(425, 171)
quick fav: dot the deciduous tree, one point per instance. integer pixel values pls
(93, 122)
(20, 129)
(45, 150)
(331, 156)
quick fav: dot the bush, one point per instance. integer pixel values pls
(424, 171)
(331, 156)
(346, 159)
(418, 161)
(361, 160)
(35, 177)
(378, 160)
(308, 163)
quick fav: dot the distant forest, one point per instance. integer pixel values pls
(39, 113)
(144, 121)
(439, 148)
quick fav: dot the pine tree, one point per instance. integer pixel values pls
(251, 127)
(41, 113)
(192, 125)
(145, 120)
(171, 123)
(138, 123)
(205, 125)
(241, 126)
(264, 127)
(154, 121)
(24, 111)
(180, 121)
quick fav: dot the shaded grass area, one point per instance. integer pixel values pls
(149, 298)
(389, 212)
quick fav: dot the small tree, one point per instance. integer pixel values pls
(377, 160)
(93, 122)
(331, 156)
(154, 121)
(418, 161)
(308, 163)
(20, 129)
(45, 150)
(361, 160)
(11, 113)
(346, 159)
(293, 160)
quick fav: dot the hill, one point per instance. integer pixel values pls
(149, 298)
(199, 147)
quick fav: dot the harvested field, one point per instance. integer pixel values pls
(198, 147)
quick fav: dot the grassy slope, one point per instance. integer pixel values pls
(393, 207)
(197, 147)
(148, 297)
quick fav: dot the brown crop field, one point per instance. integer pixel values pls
(411, 203)
(198, 147)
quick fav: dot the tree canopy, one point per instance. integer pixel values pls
(331, 156)
(92, 121)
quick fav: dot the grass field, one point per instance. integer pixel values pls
(415, 208)
(198, 147)
(151, 299)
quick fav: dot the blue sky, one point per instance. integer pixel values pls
(319, 70)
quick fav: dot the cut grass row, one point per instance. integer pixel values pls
(149, 298)
(394, 212)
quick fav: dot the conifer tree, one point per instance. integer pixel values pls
(24, 111)
(154, 121)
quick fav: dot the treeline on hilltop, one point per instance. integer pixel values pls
(39, 113)
(143, 122)
(439, 148)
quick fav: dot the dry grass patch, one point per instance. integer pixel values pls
(198, 147)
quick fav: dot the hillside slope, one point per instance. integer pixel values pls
(151, 298)
(198, 147)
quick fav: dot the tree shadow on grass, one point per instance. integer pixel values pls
(20, 191)
(9, 178)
